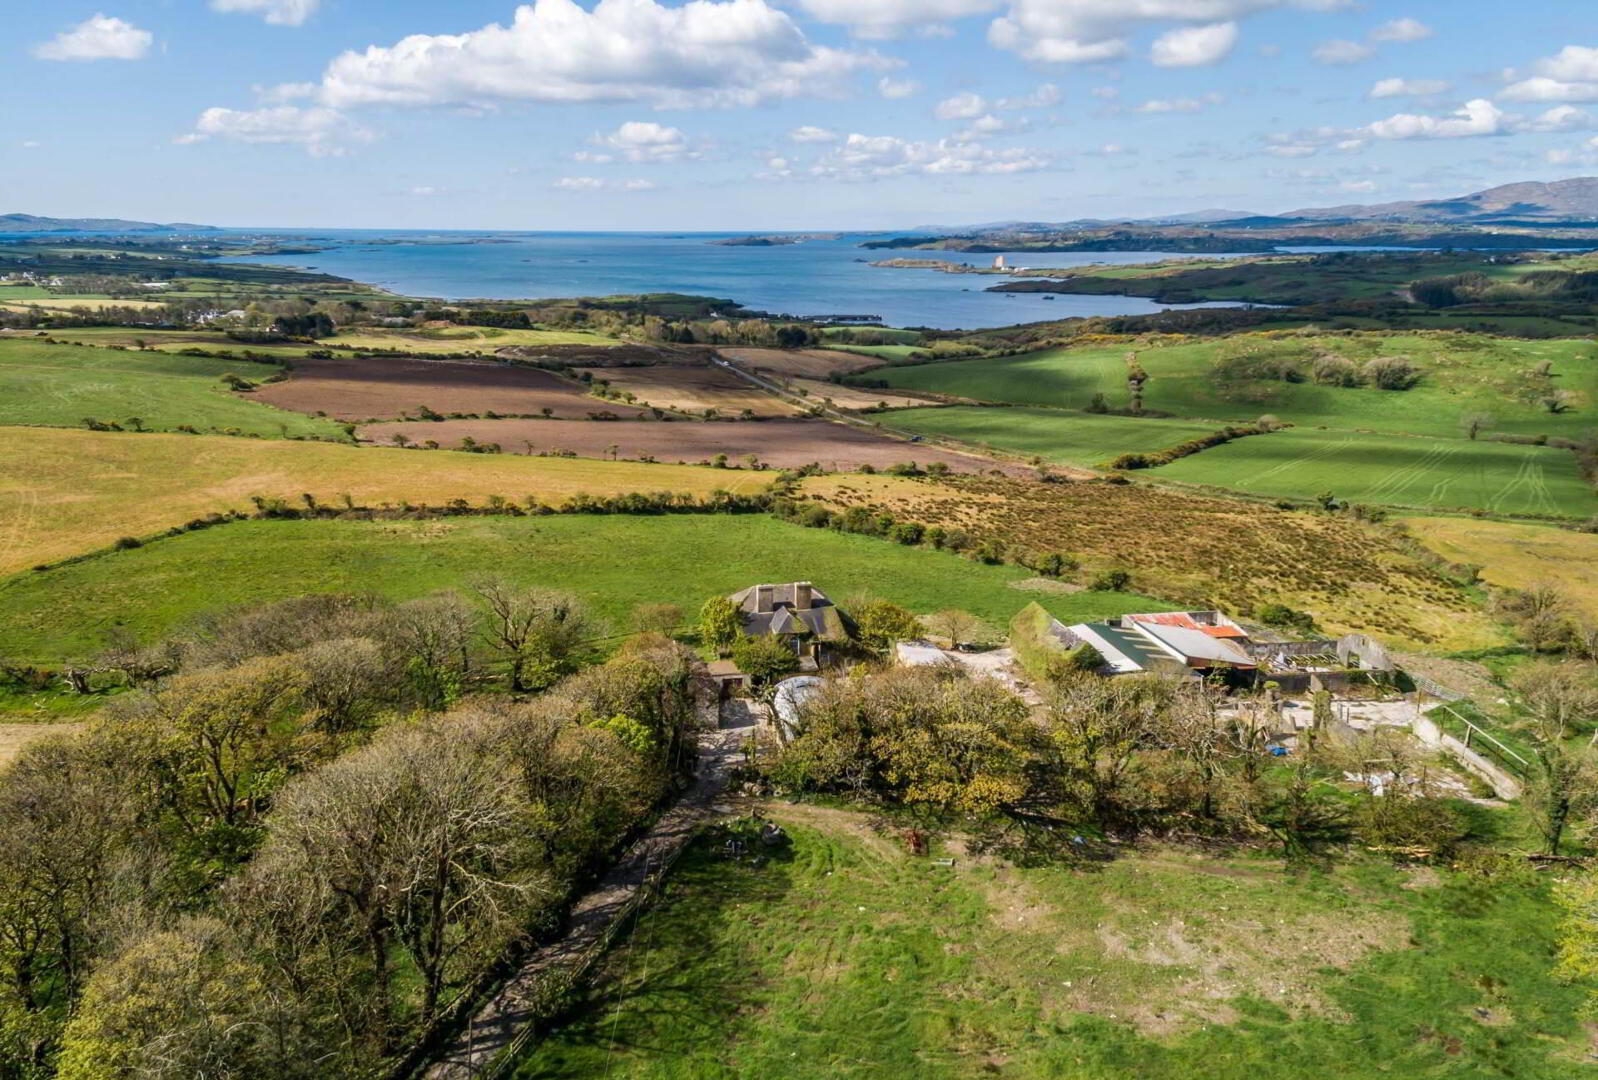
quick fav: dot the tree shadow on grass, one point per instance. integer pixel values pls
(681, 975)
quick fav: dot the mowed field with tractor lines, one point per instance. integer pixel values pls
(1408, 447)
(1458, 374)
(1396, 470)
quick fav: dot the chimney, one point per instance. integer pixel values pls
(801, 595)
(763, 595)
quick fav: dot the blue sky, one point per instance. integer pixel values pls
(778, 114)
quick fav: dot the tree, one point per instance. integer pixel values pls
(953, 625)
(661, 619)
(537, 632)
(423, 844)
(1095, 730)
(881, 625)
(1562, 701)
(765, 658)
(1084, 658)
(178, 1004)
(720, 623)
(1475, 423)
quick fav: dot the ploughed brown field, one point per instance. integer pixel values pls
(779, 443)
(802, 363)
(693, 389)
(383, 387)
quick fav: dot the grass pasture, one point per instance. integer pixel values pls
(1461, 373)
(60, 385)
(844, 957)
(1396, 470)
(82, 490)
(613, 562)
(1056, 435)
(1518, 556)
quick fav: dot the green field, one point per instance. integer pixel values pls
(1460, 374)
(452, 339)
(1067, 438)
(1396, 470)
(613, 562)
(844, 957)
(61, 385)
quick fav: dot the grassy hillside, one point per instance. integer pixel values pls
(83, 489)
(1070, 438)
(614, 563)
(1199, 551)
(1460, 374)
(1393, 469)
(1519, 556)
(844, 957)
(61, 385)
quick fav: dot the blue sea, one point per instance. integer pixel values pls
(814, 278)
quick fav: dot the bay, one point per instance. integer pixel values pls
(814, 278)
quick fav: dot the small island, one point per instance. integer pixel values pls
(772, 240)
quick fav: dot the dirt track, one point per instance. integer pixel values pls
(780, 443)
(384, 387)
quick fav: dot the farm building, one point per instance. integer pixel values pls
(1201, 642)
(798, 613)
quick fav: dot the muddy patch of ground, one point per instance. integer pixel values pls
(802, 363)
(778, 443)
(382, 387)
(690, 389)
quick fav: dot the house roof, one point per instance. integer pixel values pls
(783, 615)
(1212, 623)
(1123, 650)
(1190, 645)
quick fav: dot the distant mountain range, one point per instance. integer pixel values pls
(1575, 199)
(1531, 202)
(33, 223)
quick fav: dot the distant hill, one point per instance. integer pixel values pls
(1575, 199)
(35, 223)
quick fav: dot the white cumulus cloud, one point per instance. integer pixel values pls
(323, 132)
(595, 183)
(891, 18)
(99, 37)
(1085, 31)
(1178, 105)
(1402, 30)
(1476, 117)
(1571, 74)
(870, 157)
(643, 141)
(705, 53)
(1194, 46)
(894, 89)
(809, 133)
(962, 106)
(1342, 51)
(276, 12)
(1391, 88)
